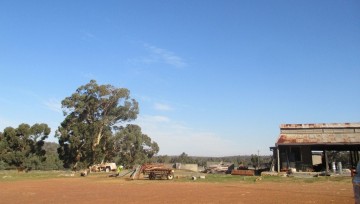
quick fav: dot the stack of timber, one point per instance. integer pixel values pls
(243, 172)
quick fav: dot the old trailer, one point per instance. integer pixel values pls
(154, 171)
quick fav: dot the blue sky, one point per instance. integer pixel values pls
(212, 78)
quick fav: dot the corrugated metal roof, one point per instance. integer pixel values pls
(319, 139)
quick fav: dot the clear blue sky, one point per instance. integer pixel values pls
(212, 78)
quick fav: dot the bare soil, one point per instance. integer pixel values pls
(108, 190)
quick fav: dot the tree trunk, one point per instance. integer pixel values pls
(98, 138)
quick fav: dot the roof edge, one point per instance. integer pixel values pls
(320, 125)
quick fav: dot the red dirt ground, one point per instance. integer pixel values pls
(84, 190)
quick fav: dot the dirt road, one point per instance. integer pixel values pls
(83, 190)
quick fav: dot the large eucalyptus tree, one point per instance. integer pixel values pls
(92, 113)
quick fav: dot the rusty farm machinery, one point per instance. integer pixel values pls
(153, 171)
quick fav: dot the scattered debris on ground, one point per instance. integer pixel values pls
(219, 168)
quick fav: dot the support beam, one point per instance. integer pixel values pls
(278, 159)
(326, 162)
(356, 153)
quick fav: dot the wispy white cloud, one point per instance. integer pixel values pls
(160, 55)
(141, 97)
(162, 107)
(159, 106)
(159, 118)
(175, 137)
(86, 35)
(54, 105)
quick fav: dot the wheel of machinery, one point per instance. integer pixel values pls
(152, 176)
(170, 176)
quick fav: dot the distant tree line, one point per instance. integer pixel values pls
(93, 131)
(244, 160)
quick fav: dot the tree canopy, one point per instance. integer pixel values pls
(92, 113)
(21, 147)
(183, 158)
(134, 147)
